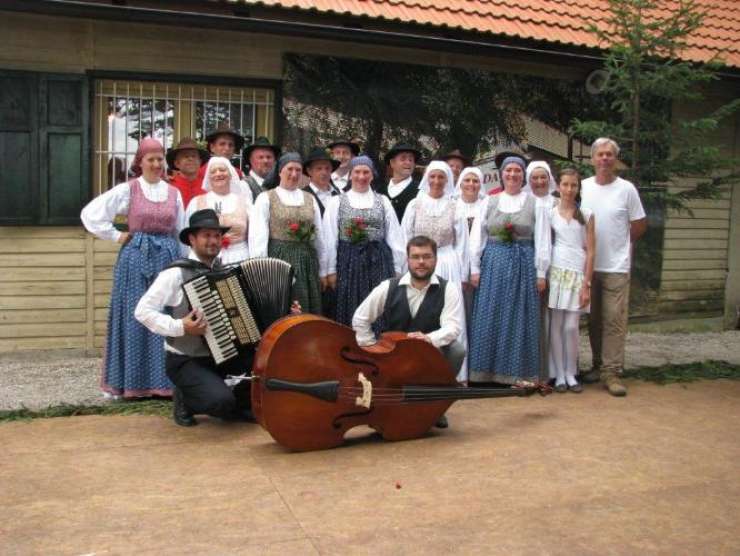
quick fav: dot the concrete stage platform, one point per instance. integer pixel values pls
(657, 472)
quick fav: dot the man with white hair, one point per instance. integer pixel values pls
(619, 221)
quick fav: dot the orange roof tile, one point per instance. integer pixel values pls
(555, 21)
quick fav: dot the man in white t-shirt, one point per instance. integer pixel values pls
(620, 221)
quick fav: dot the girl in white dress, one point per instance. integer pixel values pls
(433, 213)
(569, 279)
(231, 202)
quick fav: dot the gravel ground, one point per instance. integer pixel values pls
(40, 380)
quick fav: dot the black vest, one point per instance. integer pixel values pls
(397, 314)
(194, 346)
(399, 202)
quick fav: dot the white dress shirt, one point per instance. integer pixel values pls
(395, 189)
(340, 181)
(99, 214)
(323, 195)
(165, 291)
(259, 179)
(259, 224)
(394, 236)
(450, 325)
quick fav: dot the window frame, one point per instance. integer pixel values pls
(276, 85)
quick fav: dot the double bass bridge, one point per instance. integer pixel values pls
(367, 392)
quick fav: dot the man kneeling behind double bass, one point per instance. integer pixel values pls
(420, 303)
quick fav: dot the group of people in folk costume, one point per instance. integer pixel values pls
(526, 261)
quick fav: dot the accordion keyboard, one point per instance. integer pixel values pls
(219, 334)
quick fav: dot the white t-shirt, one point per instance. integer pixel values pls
(614, 206)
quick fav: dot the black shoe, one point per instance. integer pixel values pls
(591, 377)
(180, 412)
(442, 422)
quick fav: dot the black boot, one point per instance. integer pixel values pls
(180, 412)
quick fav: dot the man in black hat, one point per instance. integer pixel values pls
(199, 382)
(318, 166)
(260, 157)
(401, 187)
(343, 151)
(457, 162)
(225, 142)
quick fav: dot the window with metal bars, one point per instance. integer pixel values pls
(127, 111)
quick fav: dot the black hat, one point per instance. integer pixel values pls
(399, 148)
(456, 154)
(261, 143)
(186, 144)
(316, 155)
(206, 218)
(224, 129)
(354, 147)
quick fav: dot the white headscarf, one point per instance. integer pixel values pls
(234, 186)
(444, 167)
(466, 171)
(536, 165)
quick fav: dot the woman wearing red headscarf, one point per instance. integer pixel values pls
(133, 365)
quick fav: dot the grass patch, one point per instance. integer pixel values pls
(664, 374)
(134, 407)
(686, 372)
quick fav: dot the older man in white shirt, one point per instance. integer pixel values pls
(420, 303)
(619, 221)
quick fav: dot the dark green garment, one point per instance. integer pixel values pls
(302, 257)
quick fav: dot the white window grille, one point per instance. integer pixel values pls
(128, 111)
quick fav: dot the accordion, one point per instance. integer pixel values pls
(241, 302)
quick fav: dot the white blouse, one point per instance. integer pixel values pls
(470, 210)
(99, 214)
(394, 236)
(259, 223)
(435, 207)
(569, 248)
(510, 204)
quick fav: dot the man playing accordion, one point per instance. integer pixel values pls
(190, 365)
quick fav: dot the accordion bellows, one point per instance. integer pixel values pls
(240, 303)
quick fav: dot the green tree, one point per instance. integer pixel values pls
(646, 77)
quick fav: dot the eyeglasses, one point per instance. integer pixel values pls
(422, 257)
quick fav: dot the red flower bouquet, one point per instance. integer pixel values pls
(302, 231)
(356, 231)
(505, 234)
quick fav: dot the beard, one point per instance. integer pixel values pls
(424, 274)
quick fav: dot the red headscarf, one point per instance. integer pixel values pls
(146, 146)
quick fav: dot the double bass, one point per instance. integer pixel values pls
(311, 383)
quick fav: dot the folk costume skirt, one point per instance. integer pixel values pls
(134, 357)
(504, 345)
(302, 257)
(360, 268)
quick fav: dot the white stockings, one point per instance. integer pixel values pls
(564, 346)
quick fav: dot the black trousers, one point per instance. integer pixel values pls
(201, 382)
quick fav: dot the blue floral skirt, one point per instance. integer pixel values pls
(360, 267)
(504, 343)
(134, 357)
